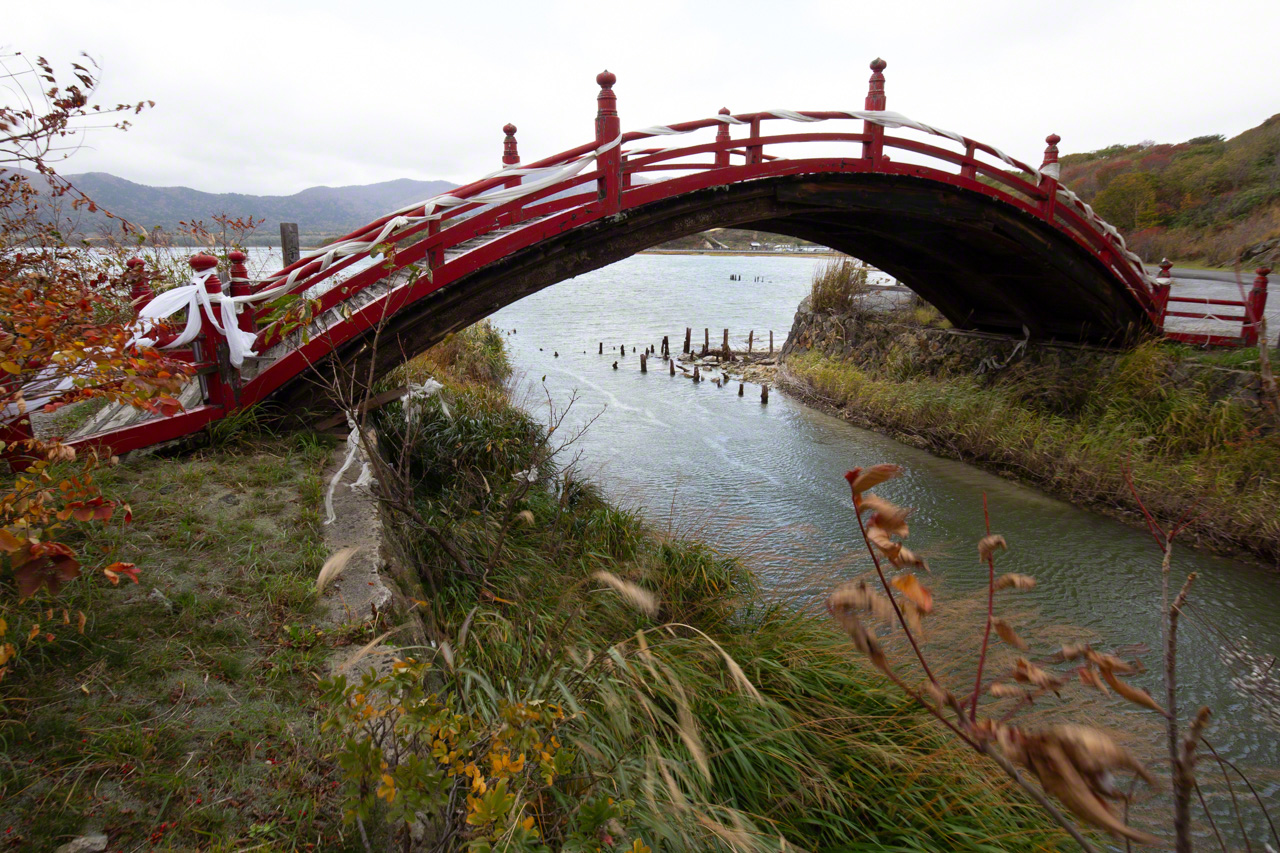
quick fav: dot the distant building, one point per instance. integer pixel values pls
(756, 245)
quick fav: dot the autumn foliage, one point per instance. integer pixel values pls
(64, 339)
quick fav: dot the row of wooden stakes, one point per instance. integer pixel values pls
(696, 375)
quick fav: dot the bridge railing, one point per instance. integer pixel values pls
(1252, 308)
(608, 176)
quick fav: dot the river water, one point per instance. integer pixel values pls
(765, 481)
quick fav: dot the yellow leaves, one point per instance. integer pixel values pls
(638, 846)
(1007, 634)
(1015, 581)
(10, 367)
(915, 592)
(504, 765)
(987, 546)
(1136, 695)
(7, 651)
(387, 790)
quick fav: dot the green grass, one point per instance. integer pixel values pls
(185, 716)
(828, 757)
(1076, 429)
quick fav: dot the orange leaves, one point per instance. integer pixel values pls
(45, 564)
(116, 570)
(915, 592)
(862, 479)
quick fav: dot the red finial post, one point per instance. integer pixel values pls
(1049, 171)
(211, 344)
(873, 148)
(1160, 292)
(1255, 305)
(241, 286)
(510, 158)
(608, 130)
(722, 140)
(140, 292)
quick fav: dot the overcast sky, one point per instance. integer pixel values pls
(272, 97)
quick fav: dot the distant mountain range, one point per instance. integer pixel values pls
(321, 212)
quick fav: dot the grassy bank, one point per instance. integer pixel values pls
(1072, 426)
(591, 684)
(186, 715)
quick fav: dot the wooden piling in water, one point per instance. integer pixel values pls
(666, 347)
(771, 342)
(672, 363)
(602, 348)
(741, 387)
(615, 365)
(706, 340)
(688, 333)
(644, 362)
(751, 336)
(725, 346)
(764, 393)
(697, 374)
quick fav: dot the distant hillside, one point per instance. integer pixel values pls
(1208, 199)
(321, 212)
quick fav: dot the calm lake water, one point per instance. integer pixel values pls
(766, 482)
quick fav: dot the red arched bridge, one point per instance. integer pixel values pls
(997, 245)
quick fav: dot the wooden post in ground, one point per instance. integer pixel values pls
(741, 387)
(764, 393)
(771, 342)
(644, 362)
(751, 336)
(289, 247)
(688, 334)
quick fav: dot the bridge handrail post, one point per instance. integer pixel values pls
(722, 140)
(241, 286)
(755, 153)
(435, 255)
(1160, 291)
(873, 148)
(969, 169)
(511, 157)
(140, 292)
(1255, 305)
(608, 129)
(1049, 172)
(211, 346)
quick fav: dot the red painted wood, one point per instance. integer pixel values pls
(608, 128)
(1257, 306)
(240, 286)
(722, 141)
(210, 340)
(873, 150)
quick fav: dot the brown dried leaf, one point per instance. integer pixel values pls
(940, 698)
(1060, 777)
(890, 517)
(915, 592)
(1005, 691)
(911, 615)
(869, 478)
(860, 596)
(863, 639)
(1136, 695)
(987, 546)
(1007, 634)
(1109, 663)
(1069, 652)
(1015, 581)
(1089, 678)
(1028, 673)
(907, 557)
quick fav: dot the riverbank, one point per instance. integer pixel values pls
(614, 686)
(1069, 420)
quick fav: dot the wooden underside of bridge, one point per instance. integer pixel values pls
(985, 264)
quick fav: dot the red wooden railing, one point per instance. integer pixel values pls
(1251, 307)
